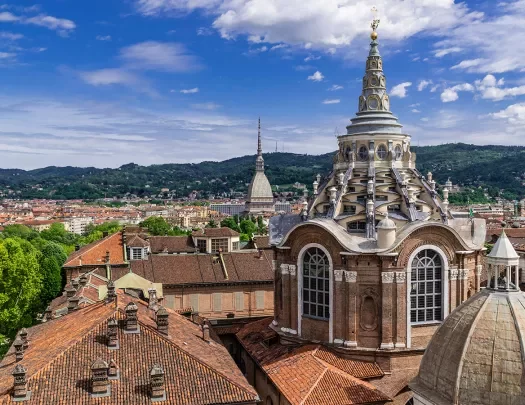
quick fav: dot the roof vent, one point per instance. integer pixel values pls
(99, 379)
(153, 300)
(132, 325)
(70, 291)
(72, 304)
(19, 349)
(23, 336)
(20, 385)
(113, 342)
(113, 371)
(48, 314)
(83, 280)
(111, 291)
(206, 333)
(158, 390)
(162, 320)
(75, 283)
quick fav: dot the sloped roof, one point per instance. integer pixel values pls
(311, 374)
(94, 254)
(215, 232)
(503, 249)
(137, 241)
(61, 352)
(172, 244)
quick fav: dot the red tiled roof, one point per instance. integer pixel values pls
(310, 374)
(171, 244)
(61, 352)
(493, 234)
(137, 241)
(94, 254)
(205, 268)
(215, 232)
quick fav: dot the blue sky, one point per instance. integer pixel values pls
(104, 83)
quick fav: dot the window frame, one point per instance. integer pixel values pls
(219, 243)
(316, 260)
(382, 152)
(362, 153)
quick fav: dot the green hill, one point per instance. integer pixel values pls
(494, 167)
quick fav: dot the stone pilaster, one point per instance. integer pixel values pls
(463, 284)
(401, 308)
(338, 312)
(478, 270)
(292, 271)
(387, 279)
(351, 308)
(285, 283)
(453, 289)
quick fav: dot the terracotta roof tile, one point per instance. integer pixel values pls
(137, 241)
(215, 232)
(94, 254)
(61, 351)
(359, 369)
(172, 244)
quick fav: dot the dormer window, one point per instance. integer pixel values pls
(137, 253)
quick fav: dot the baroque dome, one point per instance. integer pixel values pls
(260, 187)
(477, 355)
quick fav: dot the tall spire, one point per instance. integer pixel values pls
(259, 162)
(374, 97)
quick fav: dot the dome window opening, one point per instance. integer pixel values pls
(363, 153)
(382, 152)
(398, 152)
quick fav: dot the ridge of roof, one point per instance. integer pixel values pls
(88, 247)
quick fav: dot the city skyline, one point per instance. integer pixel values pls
(161, 81)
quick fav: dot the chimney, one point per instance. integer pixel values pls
(75, 283)
(23, 337)
(113, 372)
(107, 256)
(70, 291)
(105, 234)
(162, 320)
(111, 291)
(153, 301)
(113, 334)
(20, 384)
(83, 280)
(158, 391)
(48, 313)
(19, 349)
(72, 304)
(77, 248)
(206, 333)
(99, 379)
(132, 325)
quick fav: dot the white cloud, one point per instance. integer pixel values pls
(204, 31)
(206, 106)
(311, 57)
(258, 50)
(423, 84)
(400, 90)
(491, 89)
(434, 88)
(335, 87)
(302, 68)
(104, 77)
(103, 38)
(415, 110)
(61, 25)
(162, 56)
(314, 24)
(451, 94)
(10, 36)
(6, 16)
(7, 55)
(333, 101)
(514, 115)
(316, 77)
(190, 91)
(439, 53)
(278, 46)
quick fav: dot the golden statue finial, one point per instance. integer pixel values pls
(375, 24)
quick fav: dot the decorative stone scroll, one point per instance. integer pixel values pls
(401, 277)
(351, 276)
(338, 275)
(387, 277)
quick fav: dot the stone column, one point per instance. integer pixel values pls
(338, 310)
(351, 308)
(453, 289)
(463, 284)
(387, 279)
(401, 324)
(478, 270)
(292, 270)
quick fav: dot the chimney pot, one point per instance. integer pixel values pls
(107, 256)
(114, 372)
(72, 304)
(75, 283)
(70, 291)
(19, 349)
(20, 384)
(113, 342)
(158, 390)
(206, 333)
(77, 248)
(83, 280)
(111, 291)
(132, 325)
(99, 379)
(23, 336)
(162, 320)
(153, 301)
(48, 313)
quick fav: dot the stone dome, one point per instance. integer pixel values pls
(477, 356)
(386, 223)
(259, 187)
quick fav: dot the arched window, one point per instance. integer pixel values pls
(382, 152)
(316, 284)
(269, 400)
(426, 288)
(398, 152)
(362, 153)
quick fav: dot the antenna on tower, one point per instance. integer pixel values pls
(336, 132)
(276, 146)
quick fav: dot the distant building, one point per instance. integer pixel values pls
(40, 225)
(260, 195)
(283, 206)
(230, 209)
(78, 225)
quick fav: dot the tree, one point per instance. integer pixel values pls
(261, 228)
(57, 233)
(230, 222)
(156, 226)
(211, 224)
(20, 283)
(248, 227)
(19, 231)
(51, 259)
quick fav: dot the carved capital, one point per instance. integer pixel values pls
(463, 274)
(338, 275)
(478, 270)
(454, 274)
(387, 277)
(284, 268)
(292, 269)
(401, 277)
(351, 276)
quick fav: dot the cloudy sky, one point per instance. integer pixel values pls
(104, 83)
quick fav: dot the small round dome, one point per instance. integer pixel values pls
(386, 223)
(475, 357)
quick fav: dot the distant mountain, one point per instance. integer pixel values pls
(494, 167)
